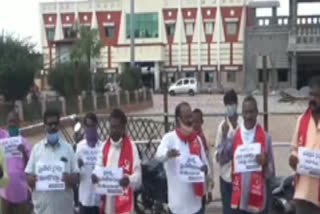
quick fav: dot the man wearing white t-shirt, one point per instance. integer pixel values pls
(183, 197)
(86, 154)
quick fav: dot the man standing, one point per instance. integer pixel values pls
(86, 153)
(119, 152)
(53, 150)
(15, 197)
(184, 198)
(230, 101)
(197, 118)
(249, 189)
(307, 135)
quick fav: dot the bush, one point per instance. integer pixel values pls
(62, 78)
(131, 79)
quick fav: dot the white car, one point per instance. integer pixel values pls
(184, 86)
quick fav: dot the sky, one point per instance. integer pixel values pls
(21, 17)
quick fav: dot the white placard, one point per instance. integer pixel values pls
(109, 181)
(49, 176)
(189, 169)
(89, 156)
(245, 158)
(309, 162)
(10, 146)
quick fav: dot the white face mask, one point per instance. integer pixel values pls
(231, 110)
(116, 143)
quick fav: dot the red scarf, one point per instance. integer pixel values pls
(123, 202)
(256, 194)
(195, 149)
(302, 136)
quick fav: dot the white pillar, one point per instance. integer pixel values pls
(156, 76)
(80, 104)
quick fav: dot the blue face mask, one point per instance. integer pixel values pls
(53, 137)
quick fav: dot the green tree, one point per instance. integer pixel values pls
(131, 78)
(61, 78)
(18, 64)
(86, 46)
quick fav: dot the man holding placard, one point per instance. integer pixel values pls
(52, 170)
(118, 168)
(305, 155)
(86, 153)
(185, 163)
(250, 150)
(15, 197)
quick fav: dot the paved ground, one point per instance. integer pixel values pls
(281, 127)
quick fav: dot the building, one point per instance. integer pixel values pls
(291, 43)
(200, 38)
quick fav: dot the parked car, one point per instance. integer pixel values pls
(184, 86)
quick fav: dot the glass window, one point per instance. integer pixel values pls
(192, 81)
(209, 28)
(208, 77)
(180, 82)
(283, 75)
(231, 76)
(109, 31)
(50, 34)
(186, 82)
(170, 29)
(68, 33)
(189, 29)
(189, 74)
(261, 75)
(232, 28)
(145, 26)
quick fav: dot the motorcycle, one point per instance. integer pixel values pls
(282, 195)
(151, 197)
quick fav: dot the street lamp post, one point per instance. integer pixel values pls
(132, 37)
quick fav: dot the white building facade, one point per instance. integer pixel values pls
(185, 38)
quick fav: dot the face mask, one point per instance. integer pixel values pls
(116, 143)
(231, 110)
(53, 138)
(91, 136)
(13, 131)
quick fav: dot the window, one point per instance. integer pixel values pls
(189, 74)
(50, 34)
(232, 28)
(145, 26)
(180, 82)
(209, 28)
(68, 33)
(189, 29)
(261, 75)
(170, 29)
(208, 77)
(185, 82)
(109, 31)
(231, 76)
(192, 82)
(282, 75)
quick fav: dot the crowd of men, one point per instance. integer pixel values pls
(242, 192)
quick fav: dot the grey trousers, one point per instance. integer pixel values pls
(305, 207)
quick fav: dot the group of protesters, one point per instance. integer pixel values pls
(24, 172)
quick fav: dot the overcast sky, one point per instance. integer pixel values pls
(22, 16)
